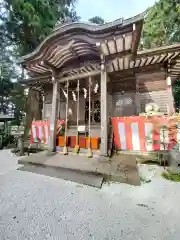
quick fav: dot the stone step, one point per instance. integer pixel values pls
(142, 157)
(119, 168)
(73, 176)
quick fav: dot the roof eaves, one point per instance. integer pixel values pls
(159, 50)
(93, 28)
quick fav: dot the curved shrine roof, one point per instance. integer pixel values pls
(73, 40)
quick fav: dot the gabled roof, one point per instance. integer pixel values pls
(69, 27)
(73, 40)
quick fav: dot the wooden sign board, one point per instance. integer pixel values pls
(17, 130)
(82, 128)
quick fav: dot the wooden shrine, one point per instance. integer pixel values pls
(88, 73)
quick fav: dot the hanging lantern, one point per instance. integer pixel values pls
(85, 92)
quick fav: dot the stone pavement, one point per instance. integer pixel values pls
(121, 168)
(37, 207)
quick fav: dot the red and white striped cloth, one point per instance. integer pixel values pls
(40, 131)
(141, 134)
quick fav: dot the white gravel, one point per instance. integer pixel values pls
(39, 207)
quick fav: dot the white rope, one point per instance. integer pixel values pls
(96, 88)
(65, 94)
(85, 92)
(74, 96)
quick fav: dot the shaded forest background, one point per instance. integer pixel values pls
(24, 24)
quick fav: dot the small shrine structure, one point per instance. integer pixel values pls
(88, 73)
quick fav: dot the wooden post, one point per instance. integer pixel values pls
(43, 109)
(53, 119)
(137, 97)
(104, 114)
(59, 103)
(65, 150)
(170, 106)
(89, 125)
(77, 134)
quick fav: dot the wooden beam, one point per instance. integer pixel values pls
(77, 65)
(50, 66)
(160, 50)
(79, 76)
(175, 70)
(117, 55)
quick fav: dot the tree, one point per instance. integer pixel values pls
(161, 25)
(11, 92)
(23, 25)
(176, 93)
(18, 99)
(6, 74)
(26, 23)
(97, 20)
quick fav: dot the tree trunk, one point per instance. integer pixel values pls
(33, 109)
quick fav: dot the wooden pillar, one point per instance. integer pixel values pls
(104, 113)
(65, 149)
(53, 118)
(89, 154)
(170, 106)
(58, 102)
(137, 97)
(43, 109)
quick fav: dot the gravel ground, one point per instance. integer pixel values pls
(38, 207)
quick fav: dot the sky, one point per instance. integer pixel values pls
(110, 10)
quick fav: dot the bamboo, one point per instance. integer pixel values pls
(65, 150)
(89, 137)
(77, 134)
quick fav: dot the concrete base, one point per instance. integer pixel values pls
(87, 179)
(89, 154)
(51, 153)
(120, 168)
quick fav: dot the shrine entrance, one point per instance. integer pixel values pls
(95, 111)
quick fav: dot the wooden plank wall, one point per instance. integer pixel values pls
(153, 88)
(158, 97)
(123, 104)
(151, 81)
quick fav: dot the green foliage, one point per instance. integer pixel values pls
(171, 177)
(6, 74)
(18, 99)
(176, 93)
(23, 25)
(97, 20)
(11, 93)
(161, 25)
(27, 23)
